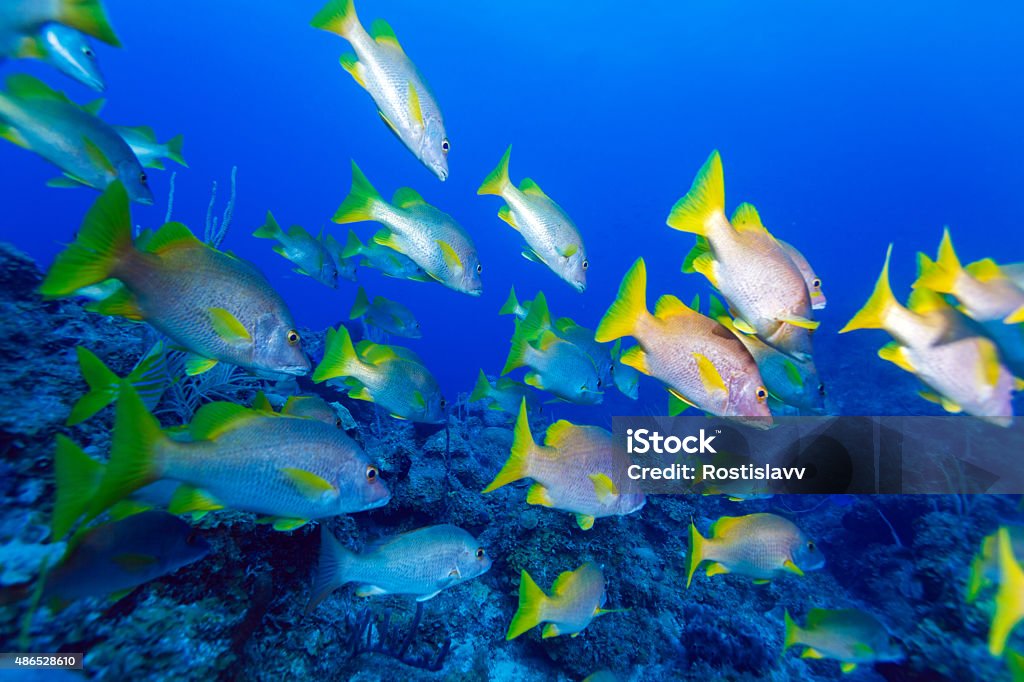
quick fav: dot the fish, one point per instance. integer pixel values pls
(386, 315)
(380, 66)
(390, 376)
(583, 338)
(961, 368)
(552, 238)
(759, 546)
(746, 264)
(984, 291)
(574, 471)
(984, 570)
(388, 262)
(698, 360)
(148, 150)
(850, 636)
(501, 394)
(67, 50)
(288, 469)
(556, 365)
(150, 378)
(114, 558)
(308, 253)
(577, 598)
(1009, 600)
(72, 137)
(215, 305)
(513, 306)
(25, 18)
(346, 267)
(789, 380)
(428, 236)
(811, 279)
(420, 563)
(311, 407)
(626, 378)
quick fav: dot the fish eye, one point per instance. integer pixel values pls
(143, 178)
(816, 283)
(480, 553)
(293, 337)
(586, 264)
(821, 389)
(337, 423)
(810, 545)
(599, 383)
(371, 473)
(87, 51)
(479, 268)
(444, 403)
(445, 146)
(762, 394)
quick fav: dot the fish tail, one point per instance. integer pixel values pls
(332, 571)
(531, 607)
(78, 475)
(1009, 602)
(353, 247)
(134, 458)
(270, 229)
(792, 637)
(104, 238)
(497, 182)
(174, 153)
(361, 305)
(104, 387)
(705, 199)
(337, 16)
(361, 200)
(339, 356)
(629, 307)
(89, 17)
(696, 554)
(975, 579)
(940, 275)
(874, 313)
(482, 388)
(510, 305)
(518, 464)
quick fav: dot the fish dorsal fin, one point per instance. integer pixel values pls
(97, 156)
(528, 186)
(295, 402)
(604, 487)
(546, 340)
(228, 327)
(451, 258)
(897, 355)
(565, 324)
(415, 111)
(382, 33)
(215, 419)
(96, 106)
(144, 132)
(746, 219)
(260, 403)
(985, 270)
(923, 301)
(669, 306)
(309, 484)
(564, 582)
(170, 237)
(27, 87)
(405, 197)
(559, 433)
(709, 375)
(721, 526)
(376, 353)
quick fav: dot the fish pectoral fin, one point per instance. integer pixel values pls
(187, 499)
(451, 258)
(415, 111)
(715, 568)
(793, 373)
(709, 375)
(390, 125)
(370, 591)
(811, 653)
(530, 254)
(744, 327)
(585, 521)
(896, 354)
(397, 416)
(799, 321)
(847, 667)
(989, 367)
(419, 400)
(792, 567)
(746, 219)
(133, 562)
(389, 239)
(309, 484)
(538, 494)
(227, 326)
(569, 250)
(505, 213)
(605, 488)
(352, 65)
(97, 156)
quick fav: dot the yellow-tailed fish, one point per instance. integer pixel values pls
(598, 353)
(289, 469)
(308, 253)
(381, 67)
(1009, 599)
(387, 261)
(577, 598)
(850, 636)
(214, 304)
(21, 19)
(67, 50)
(386, 315)
(513, 306)
(346, 267)
(311, 407)
(984, 570)
(551, 236)
(72, 137)
(758, 546)
(148, 150)
(700, 362)
(626, 378)
(428, 236)
(501, 394)
(114, 557)
(420, 563)
(573, 471)
(961, 368)
(557, 366)
(746, 263)
(390, 376)
(811, 279)
(792, 381)
(149, 378)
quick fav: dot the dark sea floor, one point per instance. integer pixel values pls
(238, 614)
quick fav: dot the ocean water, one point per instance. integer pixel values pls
(849, 125)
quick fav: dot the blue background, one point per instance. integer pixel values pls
(849, 125)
